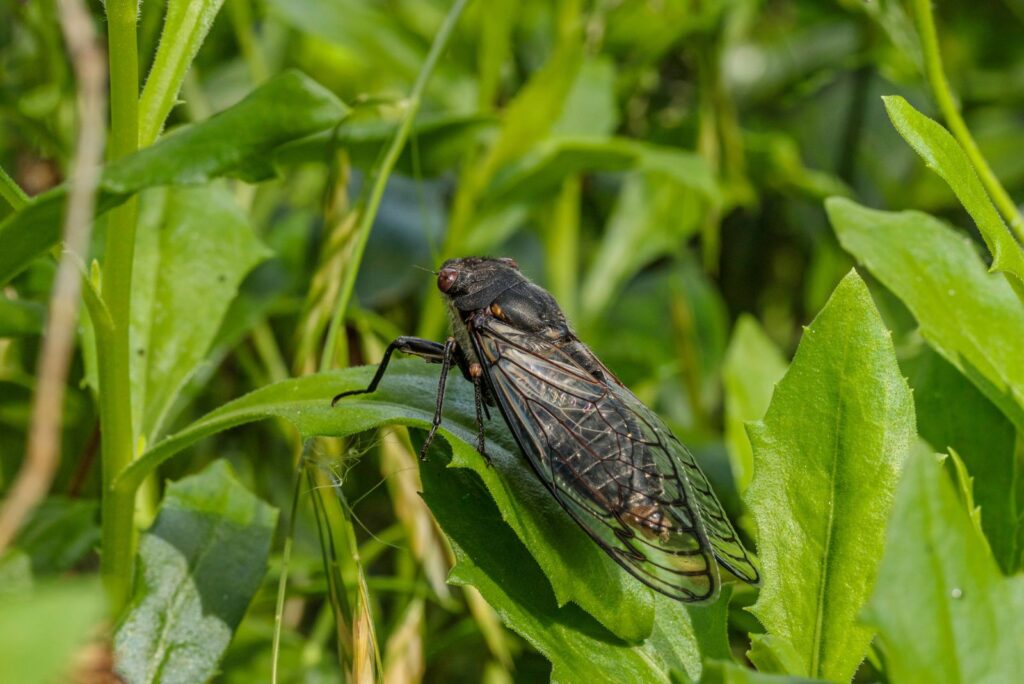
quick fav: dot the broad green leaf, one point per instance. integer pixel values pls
(944, 612)
(826, 461)
(953, 414)
(971, 317)
(235, 142)
(21, 318)
(491, 558)
(436, 143)
(578, 570)
(44, 626)
(199, 566)
(943, 155)
(185, 27)
(753, 366)
(723, 672)
(193, 248)
(60, 533)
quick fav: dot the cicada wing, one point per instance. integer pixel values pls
(612, 464)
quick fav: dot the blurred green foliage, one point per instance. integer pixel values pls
(692, 179)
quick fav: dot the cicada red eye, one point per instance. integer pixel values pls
(446, 278)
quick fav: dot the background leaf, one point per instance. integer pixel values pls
(42, 628)
(236, 142)
(826, 461)
(753, 366)
(969, 316)
(943, 611)
(199, 566)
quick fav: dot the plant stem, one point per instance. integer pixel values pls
(951, 111)
(11, 191)
(383, 172)
(118, 533)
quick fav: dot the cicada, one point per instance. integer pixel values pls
(606, 458)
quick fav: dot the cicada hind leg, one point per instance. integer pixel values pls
(447, 354)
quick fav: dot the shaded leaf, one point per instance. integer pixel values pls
(943, 155)
(942, 609)
(19, 317)
(235, 142)
(969, 316)
(60, 533)
(577, 568)
(193, 248)
(953, 415)
(753, 366)
(826, 461)
(199, 566)
(492, 559)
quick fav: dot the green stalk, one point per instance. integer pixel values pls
(118, 531)
(951, 112)
(11, 191)
(383, 172)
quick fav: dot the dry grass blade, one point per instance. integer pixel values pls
(43, 451)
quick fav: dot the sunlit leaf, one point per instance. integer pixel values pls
(199, 566)
(971, 317)
(826, 461)
(943, 155)
(943, 610)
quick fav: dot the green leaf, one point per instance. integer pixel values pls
(199, 566)
(953, 415)
(491, 558)
(942, 609)
(540, 172)
(436, 143)
(20, 318)
(719, 672)
(579, 571)
(753, 366)
(969, 316)
(43, 627)
(943, 155)
(236, 142)
(60, 533)
(193, 248)
(826, 462)
(654, 215)
(185, 27)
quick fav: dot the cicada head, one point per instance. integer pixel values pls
(472, 283)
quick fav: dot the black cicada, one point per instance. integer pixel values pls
(609, 460)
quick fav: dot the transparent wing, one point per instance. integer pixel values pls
(613, 465)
